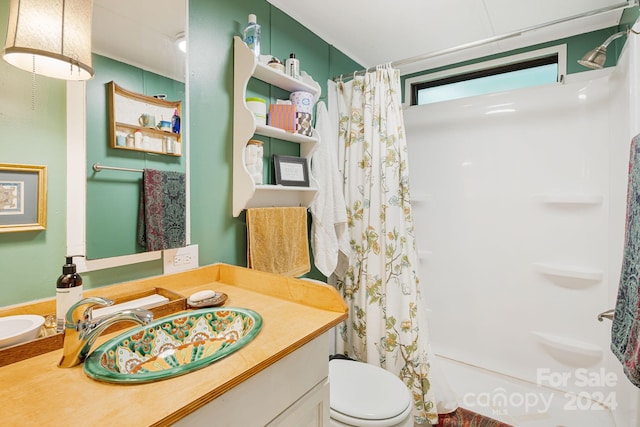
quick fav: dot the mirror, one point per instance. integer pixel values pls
(135, 45)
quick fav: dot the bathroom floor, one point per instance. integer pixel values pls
(465, 418)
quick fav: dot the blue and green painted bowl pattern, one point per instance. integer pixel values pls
(173, 345)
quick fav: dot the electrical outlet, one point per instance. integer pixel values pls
(180, 259)
(184, 259)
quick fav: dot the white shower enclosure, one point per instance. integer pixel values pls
(519, 205)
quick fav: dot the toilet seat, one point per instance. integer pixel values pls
(366, 396)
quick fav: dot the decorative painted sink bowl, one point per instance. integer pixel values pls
(174, 345)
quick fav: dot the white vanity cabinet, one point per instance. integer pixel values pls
(245, 193)
(293, 392)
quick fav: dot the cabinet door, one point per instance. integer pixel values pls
(273, 392)
(311, 410)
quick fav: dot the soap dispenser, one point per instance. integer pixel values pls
(68, 291)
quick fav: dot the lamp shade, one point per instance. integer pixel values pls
(51, 38)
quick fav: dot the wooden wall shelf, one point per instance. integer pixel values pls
(125, 111)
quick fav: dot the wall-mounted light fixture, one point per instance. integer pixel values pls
(181, 41)
(50, 38)
(596, 58)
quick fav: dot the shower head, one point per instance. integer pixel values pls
(595, 58)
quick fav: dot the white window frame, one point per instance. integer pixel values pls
(560, 50)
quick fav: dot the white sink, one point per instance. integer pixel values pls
(20, 328)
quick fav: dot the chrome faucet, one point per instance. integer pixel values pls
(81, 329)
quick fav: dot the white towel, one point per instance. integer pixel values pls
(341, 228)
(328, 210)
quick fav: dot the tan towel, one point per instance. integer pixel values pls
(277, 241)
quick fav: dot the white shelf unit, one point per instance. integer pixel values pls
(245, 193)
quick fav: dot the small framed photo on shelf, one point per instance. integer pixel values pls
(291, 171)
(23, 197)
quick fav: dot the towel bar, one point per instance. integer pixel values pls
(606, 315)
(98, 167)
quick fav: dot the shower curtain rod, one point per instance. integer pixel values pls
(418, 58)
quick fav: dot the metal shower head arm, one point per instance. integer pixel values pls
(614, 36)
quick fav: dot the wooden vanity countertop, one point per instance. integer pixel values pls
(36, 392)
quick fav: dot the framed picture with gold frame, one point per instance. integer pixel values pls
(23, 197)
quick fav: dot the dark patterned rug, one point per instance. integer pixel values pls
(465, 418)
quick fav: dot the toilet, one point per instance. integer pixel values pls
(363, 395)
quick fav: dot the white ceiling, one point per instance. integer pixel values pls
(155, 24)
(369, 31)
(379, 31)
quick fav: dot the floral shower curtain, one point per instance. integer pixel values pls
(381, 285)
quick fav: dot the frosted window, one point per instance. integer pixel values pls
(499, 79)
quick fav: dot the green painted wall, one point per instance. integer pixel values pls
(220, 236)
(30, 262)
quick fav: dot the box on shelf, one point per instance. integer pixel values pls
(282, 116)
(303, 124)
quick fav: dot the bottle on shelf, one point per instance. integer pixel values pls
(175, 122)
(251, 35)
(292, 66)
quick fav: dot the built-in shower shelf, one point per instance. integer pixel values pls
(570, 271)
(569, 351)
(570, 199)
